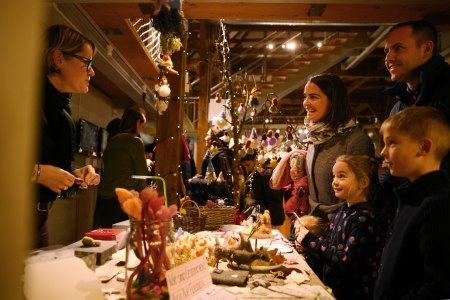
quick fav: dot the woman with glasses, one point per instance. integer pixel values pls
(68, 69)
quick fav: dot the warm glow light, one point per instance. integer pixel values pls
(270, 46)
(319, 44)
(291, 45)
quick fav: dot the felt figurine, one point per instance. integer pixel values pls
(210, 175)
(220, 178)
(253, 138)
(271, 140)
(218, 97)
(163, 88)
(289, 135)
(273, 162)
(253, 97)
(166, 65)
(265, 226)
(277, 137)
(264, 142)
(241, 108)
(225, 137)
(221, 121)
(261, 159)
(161, 106)
(253, 113)
(214, 147)
(248, 148)
(274, 106)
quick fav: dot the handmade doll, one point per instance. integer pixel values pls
(290, 175)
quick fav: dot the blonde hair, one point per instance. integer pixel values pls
(66, 39)
(361, 166)
(420, 122)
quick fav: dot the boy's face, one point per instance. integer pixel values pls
(401, 154)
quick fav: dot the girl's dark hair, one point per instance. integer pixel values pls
(363, 165)
(130, 116)
(334, 88)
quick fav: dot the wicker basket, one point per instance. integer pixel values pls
(193, 221)
(218, 216)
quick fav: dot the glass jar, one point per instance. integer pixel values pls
(149, 254)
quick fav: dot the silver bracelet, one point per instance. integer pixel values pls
(38, 172)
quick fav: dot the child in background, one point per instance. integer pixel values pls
(416, 261)
(348, 258)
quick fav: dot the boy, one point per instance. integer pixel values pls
(416, 261)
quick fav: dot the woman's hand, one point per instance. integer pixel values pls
(55, 179)
(87, 176)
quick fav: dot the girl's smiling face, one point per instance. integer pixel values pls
(346, 185)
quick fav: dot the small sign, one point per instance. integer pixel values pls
(192, 280)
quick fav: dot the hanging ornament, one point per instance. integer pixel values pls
(271, 140)
(253, 113)
(163, 88)
(218, 97)
(161, 106)
(253, 138)
(274, 106)
(166, 65)
(253, 97)
(241, 109)
(264, 142)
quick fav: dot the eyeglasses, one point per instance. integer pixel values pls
(87, 61)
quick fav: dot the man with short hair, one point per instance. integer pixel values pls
(422, 78)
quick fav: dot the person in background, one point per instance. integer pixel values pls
(422, 78)
(113, 127)
(149, 156)
(415, 262)
(124, 157)
(349, 257)
(332, 131)
(68, 69)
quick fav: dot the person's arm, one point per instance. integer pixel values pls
(86, 176)
(361, 238)
(53, 178)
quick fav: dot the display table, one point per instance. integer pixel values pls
(294, 279)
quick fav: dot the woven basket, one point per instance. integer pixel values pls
(193, 221)
(218, 216)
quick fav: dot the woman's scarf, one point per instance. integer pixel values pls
(319, 132)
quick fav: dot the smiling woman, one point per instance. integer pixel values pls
(332, 131)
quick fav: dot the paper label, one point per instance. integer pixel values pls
(185, 281)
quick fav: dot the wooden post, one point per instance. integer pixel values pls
(202, 107)
(169, 127)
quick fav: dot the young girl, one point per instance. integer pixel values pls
(348, 258)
